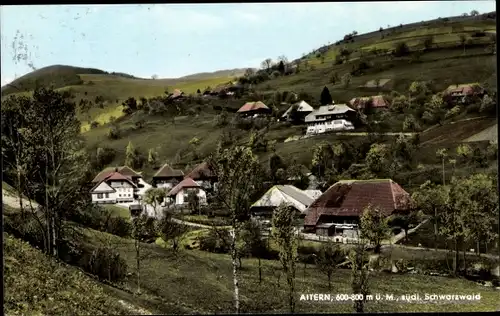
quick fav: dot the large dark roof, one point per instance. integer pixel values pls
(350, 197)
(201, 171)
(168, 172)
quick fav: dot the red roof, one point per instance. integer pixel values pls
(114, 176)
(252, 106)
(124, 170)
(349, 198)
(378, 101)
(186, 183)
(201, 171)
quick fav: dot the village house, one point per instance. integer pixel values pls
(278, 194)
(167, 177)
(338, 117)
(226, 89)
(254, 109)
(179, 195)
(302, 108)
(375, 102)
(176, 95)
(461, 92)
(114, 188)
(338, 210)
(204, 175)
(140, 185)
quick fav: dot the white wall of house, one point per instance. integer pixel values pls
(181, 197)
(165, 185)
(103, 197)
(326, 126)
(124, 191)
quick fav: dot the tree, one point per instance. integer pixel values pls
(129, 105)
(401, 49)
(275, 163)
(283, 59)
(474, 13)
(405, 221)
(172, 231)
(154, 77)
(249, 72)
(281, 67)
(143, 230)
(376, 158)
(238, 174)
(152, 157)
(322, 160)
(327, 260)
(283, 231)
(428, 41)
(194, 202)
(476, 198)
(429, 198)
(130, 155)
(84, 107)
(325, 97)
(410, 124)
(346, 80)
(463, 40)
(154, 197)
(358, 258)
(266, 64)
(374, 226)
(442, 153)
(254, 243)
(488, 105)
(464, 152)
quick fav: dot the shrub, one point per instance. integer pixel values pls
(119, 226)
(114, 133)
(106, 264)
(217, 241)
(401, 49)
(105, 156)
(94, 124)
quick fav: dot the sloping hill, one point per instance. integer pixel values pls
(38, 285)
(230, 73)
(489, 134)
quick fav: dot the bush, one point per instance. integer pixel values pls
(94, 124)
(217, 241)
(118, 226)
(106, 264)
(114, 133)
(401, 49)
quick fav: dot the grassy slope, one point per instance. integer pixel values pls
(37, 285)
(208, 288)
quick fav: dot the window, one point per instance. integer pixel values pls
(99, 195)
(119, 195)
(106, 195)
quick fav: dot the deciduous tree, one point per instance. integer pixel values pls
(374, 226)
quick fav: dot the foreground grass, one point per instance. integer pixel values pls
(201, 282)
(37, 285)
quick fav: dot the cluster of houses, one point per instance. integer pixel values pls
(335, 212)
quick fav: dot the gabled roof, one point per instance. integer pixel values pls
(114, 176)
(201, 171)
(186, 183)
(302, 106)
(285, 194)
(327, 110)
(463, 89)
(124, 170)
(350, 197)
(107, 188)
(378, 101)
(168, 172)
(252, 106)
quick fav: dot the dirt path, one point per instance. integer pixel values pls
(491, 134)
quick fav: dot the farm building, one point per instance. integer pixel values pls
(302, 109)
(167, 177)
(338, 117)
(374, 102)
(254, 109)
(204, 175)
(278, 194)
(460, 92)
(344, 202)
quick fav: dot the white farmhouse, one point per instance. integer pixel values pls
(179, 194)
(114, 188)
(303, 109)
(338, 117)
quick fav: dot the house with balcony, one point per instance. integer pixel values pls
(140, 185)
(114, 188)
(329, 118)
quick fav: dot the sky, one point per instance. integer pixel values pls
(173, 40)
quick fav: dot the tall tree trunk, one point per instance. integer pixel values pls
(455, 259)
(260, 270)
(235, 270)
(443, 173)
(329, 281)
(138, 264)
(435, 229)
(465, 258)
